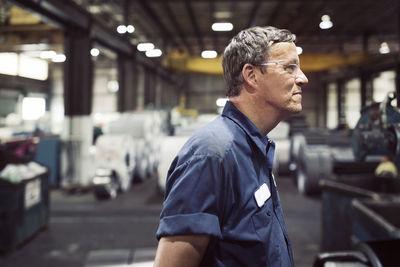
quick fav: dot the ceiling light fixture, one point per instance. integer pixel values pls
(47, 54)
(154, 53)
(299, 50)
(145, 47)
(209, 54)
(222, 26)
(326, 22)
(121, 29)
(384, 49)
(130, 28)
(59, 58)
(94, 52)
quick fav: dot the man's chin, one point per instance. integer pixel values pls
(296, 109)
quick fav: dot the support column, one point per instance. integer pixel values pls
(78, 73)
(341, 103)
(397, 81)
(140, 86)
(127, 79)
(158, 89)
(149, 87)
(322, 118)
(366, 89)
(77, 166)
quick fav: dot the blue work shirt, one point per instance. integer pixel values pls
(211, 189)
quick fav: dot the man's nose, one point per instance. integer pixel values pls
(301, 78)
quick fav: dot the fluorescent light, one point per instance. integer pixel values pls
(121, 29)
(95, 52)
(34, 68)
(9, 63)
(222, 26)
(154, 53)
(33, 108)
(384, 49)
(299, 50)
(326, 22)
(145, 46)
(59, 58)
(221, 102)
(209, 54)
(47, 54)
(130, 28)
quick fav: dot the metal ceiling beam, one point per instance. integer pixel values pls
(254, 14)
(176, 26)
(275, 13)
(389, 9)
(109, 39)
(67, 14)
(214, 35)
(356, 19)
(312, 8)
(31, 28)
(194, 24)
(59, 12)
(166, 35)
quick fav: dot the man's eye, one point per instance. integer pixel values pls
(292, 68)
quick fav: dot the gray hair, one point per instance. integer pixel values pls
(249, 46)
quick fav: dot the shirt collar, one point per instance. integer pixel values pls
(265, 144)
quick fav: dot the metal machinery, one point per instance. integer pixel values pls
(378, 131)
(360, 211)
(331, 154)
(323, 153)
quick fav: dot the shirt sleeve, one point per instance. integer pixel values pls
(194, 198)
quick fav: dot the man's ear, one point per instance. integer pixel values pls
(249, 76)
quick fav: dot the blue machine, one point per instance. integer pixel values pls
(378, 131)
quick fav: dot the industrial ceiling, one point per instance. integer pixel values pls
(182, 28)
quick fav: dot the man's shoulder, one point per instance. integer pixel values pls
(215, 139)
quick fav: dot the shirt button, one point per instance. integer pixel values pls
(269, 213)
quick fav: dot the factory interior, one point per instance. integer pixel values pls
(98, 96)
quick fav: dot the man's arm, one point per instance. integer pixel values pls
(185, 251)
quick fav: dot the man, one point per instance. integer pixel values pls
(221, 205)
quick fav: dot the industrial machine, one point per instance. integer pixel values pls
(333, 154)
(378, 131)
(360, 221)
(321, 153)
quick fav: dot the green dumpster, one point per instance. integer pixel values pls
(24, 209)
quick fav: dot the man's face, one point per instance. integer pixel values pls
(280, 85)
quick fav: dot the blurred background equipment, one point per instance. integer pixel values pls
(103, 94)
(24, 198)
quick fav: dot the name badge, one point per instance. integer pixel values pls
(262, 194)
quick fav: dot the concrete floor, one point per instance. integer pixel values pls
(80, 226)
